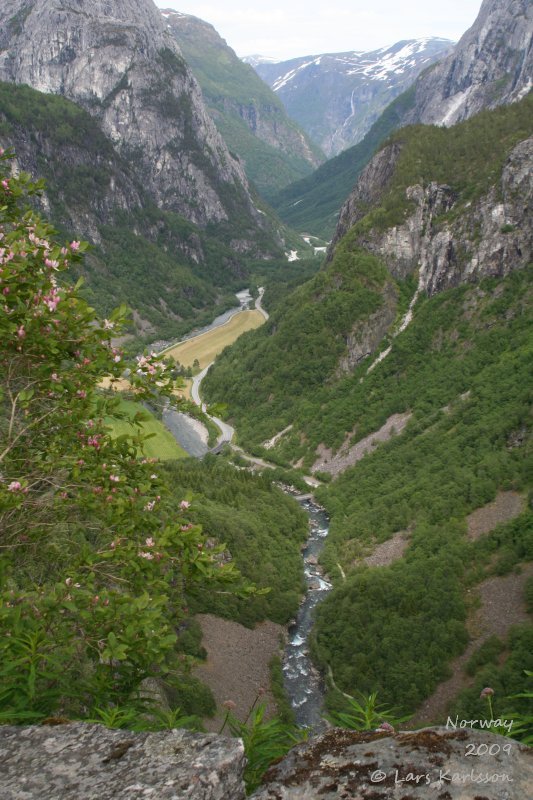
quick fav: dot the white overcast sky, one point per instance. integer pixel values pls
(285, 29)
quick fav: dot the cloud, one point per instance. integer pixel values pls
(289, 28)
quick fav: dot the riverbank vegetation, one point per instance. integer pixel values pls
(263, 531)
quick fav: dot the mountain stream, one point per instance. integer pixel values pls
(302, 681)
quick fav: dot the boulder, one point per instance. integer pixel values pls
(433, 763)
(78, 761)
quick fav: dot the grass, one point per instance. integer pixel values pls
(162, 445)
(207, 346)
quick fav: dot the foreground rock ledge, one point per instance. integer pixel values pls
(89, 762)
(433, 763)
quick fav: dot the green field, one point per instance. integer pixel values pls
(162, 445)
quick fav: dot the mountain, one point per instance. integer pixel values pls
(336, 97)
(400, 376)
(251, 119)
(491, 65)
(167, 193)
(434, 208)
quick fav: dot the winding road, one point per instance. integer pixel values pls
(226, 431)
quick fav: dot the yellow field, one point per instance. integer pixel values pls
(207, 346)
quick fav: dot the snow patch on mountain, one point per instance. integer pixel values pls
(336, 97)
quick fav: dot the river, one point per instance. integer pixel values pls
(302, 681)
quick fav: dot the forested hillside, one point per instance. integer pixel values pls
(294, 370)
(438, 220)
(172, 273)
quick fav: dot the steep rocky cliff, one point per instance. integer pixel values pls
(120, 63)
(447, 240)
(491, 65)
(252, 120)
(116, 124)
(172, 273)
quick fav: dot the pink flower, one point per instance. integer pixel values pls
(229, 704)
(75, 245)
(150, 542)
(21, 333)
(184, 504)
(387, 727)
(81, 393)
(14, 486)
(487, 692)
(148, 556)
(114, 478)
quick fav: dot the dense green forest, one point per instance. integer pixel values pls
(402, 624)
(262, 528)
(289, 366)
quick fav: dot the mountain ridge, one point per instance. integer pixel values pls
(189, 209)
(122, 65)
(249, 116)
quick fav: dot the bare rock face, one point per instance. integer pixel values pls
(492, 237)
(491, 65)
(368, 190)
(89, 762)
(431, 763)
(119, 62)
